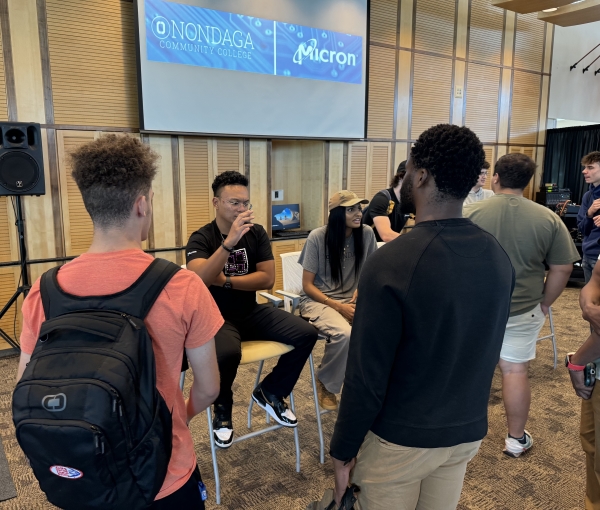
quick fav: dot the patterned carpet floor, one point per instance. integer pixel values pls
(260, 474)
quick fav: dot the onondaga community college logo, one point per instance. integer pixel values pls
(66, 472)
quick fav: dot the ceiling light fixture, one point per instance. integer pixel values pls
(551, 10)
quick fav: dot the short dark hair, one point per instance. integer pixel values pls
(486, 165)
(400, 173)
(453, 155)
(111, 172)
(515, 170)
(591, 158)
(229, 178)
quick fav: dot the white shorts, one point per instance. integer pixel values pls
(521, 336)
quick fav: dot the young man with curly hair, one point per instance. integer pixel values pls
(425, 340)
(477, 193)
(588, 218)
(114, 175)
(233, 257)
(530, 234)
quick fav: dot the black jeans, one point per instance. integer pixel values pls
(264, 323)
(186, 498)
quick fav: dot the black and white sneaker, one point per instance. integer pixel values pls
(275, 406)
(222, 426)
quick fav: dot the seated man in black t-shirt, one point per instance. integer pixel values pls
(383, 213)
(234, 259)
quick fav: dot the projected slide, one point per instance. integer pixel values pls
(184, 34)
(269, 57)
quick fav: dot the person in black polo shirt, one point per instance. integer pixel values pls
(234, 259)
(426, 339)
(383, 213)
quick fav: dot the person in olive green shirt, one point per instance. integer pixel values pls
(530, 234)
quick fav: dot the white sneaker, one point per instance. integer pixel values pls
(514, 448)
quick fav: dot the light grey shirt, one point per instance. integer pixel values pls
(478, 196)
(314, 259)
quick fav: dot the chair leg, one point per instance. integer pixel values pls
(182, 380)
(552, 332)
(259, 371)
(296, 435)
(317, 409)
(213, 452)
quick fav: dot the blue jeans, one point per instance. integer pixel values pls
(587, 265)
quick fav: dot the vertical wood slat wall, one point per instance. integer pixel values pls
(420, 50)
(499, 58)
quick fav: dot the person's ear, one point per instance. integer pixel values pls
(215, 202)
(141, 206)
(421, 178)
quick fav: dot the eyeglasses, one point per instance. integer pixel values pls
(483, 173)
(353, 210)
(237, 203)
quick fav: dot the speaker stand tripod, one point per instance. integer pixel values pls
(23, 289)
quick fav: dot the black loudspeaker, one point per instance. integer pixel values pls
(21, 159)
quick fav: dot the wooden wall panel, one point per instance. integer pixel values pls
(229, 154)
(382, 65)
(380, 168)
(434, 28)
(3, 98)
(357, 168)
(163, 217)
(529, 42)
(259, 194)
(92, 45)
(78, 226)
(9, 279)
(195, 186)
(485, 34)
(483, 87)
(431, 92)
(384, 16)
(525, 108)
(5, 231)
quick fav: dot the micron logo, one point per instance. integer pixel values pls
(309, 50)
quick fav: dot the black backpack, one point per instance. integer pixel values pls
(87, 413)
(367, 220)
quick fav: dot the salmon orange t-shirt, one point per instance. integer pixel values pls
(184, 316)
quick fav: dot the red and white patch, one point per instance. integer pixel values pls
(66, 472)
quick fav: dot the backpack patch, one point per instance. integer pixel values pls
(66, 472)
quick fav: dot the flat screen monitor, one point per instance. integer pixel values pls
(285, 216)
(261, 68)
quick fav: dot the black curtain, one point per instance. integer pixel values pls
(564, 149)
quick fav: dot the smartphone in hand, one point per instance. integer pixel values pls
(589, 374)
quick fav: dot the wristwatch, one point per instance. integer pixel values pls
(570, 366)
(227, 284)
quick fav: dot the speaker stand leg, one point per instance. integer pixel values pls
(23, 290)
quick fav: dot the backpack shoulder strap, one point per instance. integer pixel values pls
(152, 283)
(136, 300)
(49, 291)
(386, 193)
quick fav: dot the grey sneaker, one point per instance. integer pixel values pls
(514, 448)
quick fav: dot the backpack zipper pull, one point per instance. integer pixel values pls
(130, 320)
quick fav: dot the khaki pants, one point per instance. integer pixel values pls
(327, 320)
(403, 478)
(590, 441)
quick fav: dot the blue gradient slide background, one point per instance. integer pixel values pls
(258, 46)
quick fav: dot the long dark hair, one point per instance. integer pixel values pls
(335, 240)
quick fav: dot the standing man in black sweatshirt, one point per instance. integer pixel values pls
(425, 340)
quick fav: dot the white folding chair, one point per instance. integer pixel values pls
(552, 335)
(292, 287)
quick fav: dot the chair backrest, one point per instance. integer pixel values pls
(292, 272)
